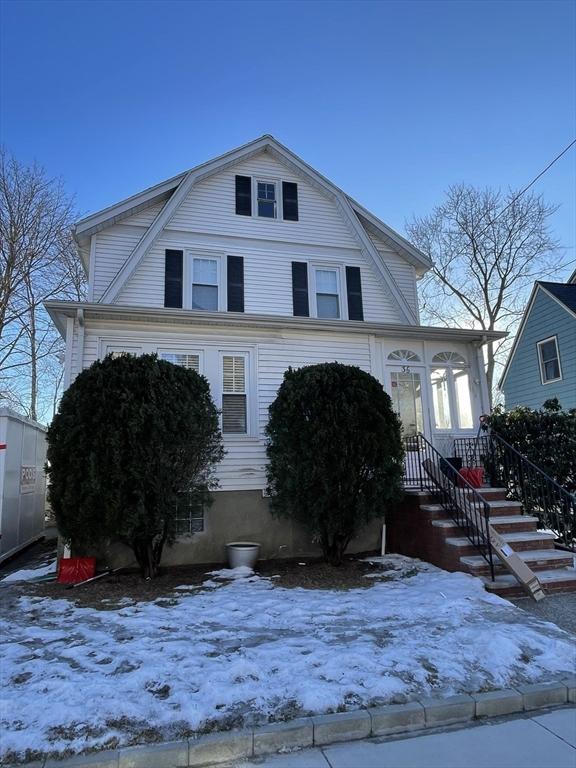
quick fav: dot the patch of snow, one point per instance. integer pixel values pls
(249, 651)
(32, 573)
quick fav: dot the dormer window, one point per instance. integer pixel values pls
(205, 284)
(266, 199)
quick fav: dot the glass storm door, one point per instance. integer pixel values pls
(406, 393)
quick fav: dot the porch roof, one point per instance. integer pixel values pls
(60, 310)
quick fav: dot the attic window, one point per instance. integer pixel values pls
(266, 199)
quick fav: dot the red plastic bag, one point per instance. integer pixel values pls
(72, 570)
(474, 476)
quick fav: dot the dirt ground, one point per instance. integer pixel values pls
(108, 591)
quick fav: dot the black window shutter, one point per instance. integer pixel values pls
(173, 278)
(290, 201)
(235, 283)
(300, 288)
(244, 195)
(354, 291)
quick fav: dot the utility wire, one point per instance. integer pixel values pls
(527, 187)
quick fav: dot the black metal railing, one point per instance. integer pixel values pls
(539, 494)
(462, 502)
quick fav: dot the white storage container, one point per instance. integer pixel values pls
(22, 481)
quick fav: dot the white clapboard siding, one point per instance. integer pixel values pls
(145, 217)
(267, 277)
(113, 246)
(402, 271)
(243, 467)
(210, 207)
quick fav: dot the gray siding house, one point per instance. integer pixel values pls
(542, 362)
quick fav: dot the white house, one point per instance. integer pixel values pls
(241, 267)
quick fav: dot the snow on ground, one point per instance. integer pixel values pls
(32, 573)
(243, 650)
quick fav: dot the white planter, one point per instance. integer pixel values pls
(242, 553)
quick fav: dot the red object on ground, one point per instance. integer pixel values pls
(72, 570)
(474, 475)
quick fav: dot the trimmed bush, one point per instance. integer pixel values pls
(546, 436)
(130, 436)
(335, 452)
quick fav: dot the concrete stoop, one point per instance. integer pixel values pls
(320, 730)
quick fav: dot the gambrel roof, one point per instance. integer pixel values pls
(173, 191)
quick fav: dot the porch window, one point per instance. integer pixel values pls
(549, 359)
(234, 395)
(186, 360)
(440, 398)
(451, 392)
(404, 355)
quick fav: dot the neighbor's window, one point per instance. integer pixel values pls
(205, 284)
(186, 360)
(234, 395)
(440, 398)
(549, 358)
(327, 293)
(266, 199)
(189, 515)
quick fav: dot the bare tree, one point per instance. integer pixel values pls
(488, 247)
(38, 261)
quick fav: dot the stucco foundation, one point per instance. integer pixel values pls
(244, 516)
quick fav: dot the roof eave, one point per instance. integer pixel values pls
(238, 320)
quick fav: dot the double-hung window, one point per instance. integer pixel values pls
(266, 200)
(205, 273)
(185, 359)
(327, 292)
(234, 394)
(549, 359)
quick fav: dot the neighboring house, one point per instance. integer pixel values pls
(542, 362)
(246, 265)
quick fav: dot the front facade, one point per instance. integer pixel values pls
(542, 362)
(247, 265)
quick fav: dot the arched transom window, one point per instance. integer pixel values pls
(449, 358)
(404, 355)
(451, 396)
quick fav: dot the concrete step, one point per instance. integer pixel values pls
(536, 559)
(493, 494)
(555, 580)
(501, 523)
(518, 541)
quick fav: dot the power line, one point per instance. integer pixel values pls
(527, 187)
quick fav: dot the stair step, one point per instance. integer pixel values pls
(516, 521)
(536, 559)
(519, 541)
(556, 580)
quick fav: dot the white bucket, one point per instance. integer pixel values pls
(242, 553)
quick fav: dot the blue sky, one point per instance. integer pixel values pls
(393, 101)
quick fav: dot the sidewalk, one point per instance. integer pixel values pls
(543, 741)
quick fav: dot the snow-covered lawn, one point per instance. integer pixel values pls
(240, 650)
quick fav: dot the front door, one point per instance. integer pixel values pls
(407, 395)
